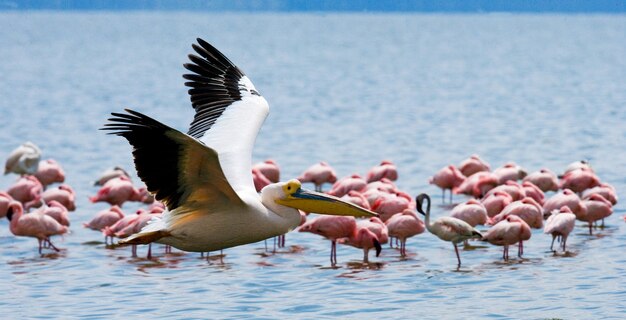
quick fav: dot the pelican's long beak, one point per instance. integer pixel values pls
(315, 202)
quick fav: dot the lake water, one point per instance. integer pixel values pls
(352, 89)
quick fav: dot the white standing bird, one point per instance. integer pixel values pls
(447, 228)
(204, 176)
(23, 160)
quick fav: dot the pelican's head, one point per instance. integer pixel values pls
(292, 195)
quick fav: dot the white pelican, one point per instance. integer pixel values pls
(23, 160)
(204, 176)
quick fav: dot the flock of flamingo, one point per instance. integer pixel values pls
(507, 200)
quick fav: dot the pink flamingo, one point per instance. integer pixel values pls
(403, 226)
(119, 190)
(143, 218)
(495, 202)
(606, 190)
(27, 189)
(447, 178)
(446, 228)
(509, 171)
(117, 228)
(344, 185)
(386, 169)
(64, 194)
(331, 228)
(319, 174)
(383, 184)
(109, 174)
(259, 179)
(560, 224)
(105, 218)
(544, 179)
(507, 232)
(387, 204)
(57, 211)
(472, 211)
(364, 239)
(23, 160)
(598, 208)
(513, 188)
(477, 184)
(531, 190)
(472, 165)
(528, 209)
(270, 169)
(581, 164)
(5, 200)
(49, 172)
(377, 226)
(34, 225)
(357, 198)
(580, 180)
(568, 198)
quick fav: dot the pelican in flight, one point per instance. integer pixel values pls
(204, 177)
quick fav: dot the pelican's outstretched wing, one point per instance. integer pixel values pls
(174, 166)
(229, 111)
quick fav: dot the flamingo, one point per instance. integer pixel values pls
(27, 190)
(513, 188)
(446, 228)
(472, 165)
(544, 179)
(581, 164)
(5, 200)
(118, 190)
(331, 228)
(105, 218)
(270, 169)
(204, 177)
(477, 184)
(377, 226)
(344, 185)
(527, 209)
(580, 180)
(509, 171)
(109, 174)
(507, 232)
(403, 226)
(57, 211)
(64, 194)
(356, 198)
(319, 174)
(472, 211)
(386, 169)
(49, 172)
(387, 204)
(560, 224)
(447, 178)
(598, 208)
(259, 179)
(383, 184)
(568, 198)
(605, 190)
(364, 239)
(531, 190)
(23, 160)
(34, 225)
(495, 202)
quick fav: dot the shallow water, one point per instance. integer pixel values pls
(421, 90)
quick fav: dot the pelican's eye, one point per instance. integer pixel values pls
(291, 187)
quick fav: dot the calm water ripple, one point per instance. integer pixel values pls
(422, 90)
